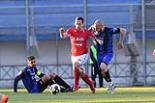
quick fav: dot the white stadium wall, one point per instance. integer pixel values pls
(14, 53)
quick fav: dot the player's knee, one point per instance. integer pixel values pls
(81, 73)
(52, 75)
(76, 64)
(103, 67)
(48, 77)
(44, 79)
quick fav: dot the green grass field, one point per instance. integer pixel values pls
(121, 95)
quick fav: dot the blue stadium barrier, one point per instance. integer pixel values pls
(49, 15)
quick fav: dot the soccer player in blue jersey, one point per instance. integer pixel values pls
(104, 46)
(33, 85)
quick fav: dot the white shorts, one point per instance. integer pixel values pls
(82, 59)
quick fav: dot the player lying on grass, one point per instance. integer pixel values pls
(104, 47)
(29, 74)
(79, 52)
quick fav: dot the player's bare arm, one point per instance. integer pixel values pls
(154, 52)
(92, 28)
(120, 44)
(62, 33)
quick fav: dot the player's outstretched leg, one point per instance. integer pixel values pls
(86, 79)
(61, 82)
(106, 75)
(52, 78)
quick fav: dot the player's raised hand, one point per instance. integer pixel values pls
(154, 52)
(120, 45)
(92, 28)
(61, 31)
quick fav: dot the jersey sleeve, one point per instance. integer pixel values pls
(115, 30)
(19, 76)
(69, 32)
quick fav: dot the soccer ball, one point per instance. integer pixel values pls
(54, 88)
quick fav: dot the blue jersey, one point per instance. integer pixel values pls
(30, 81)
(105, 44)
(105, 40)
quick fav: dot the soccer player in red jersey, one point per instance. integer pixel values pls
(79, 52)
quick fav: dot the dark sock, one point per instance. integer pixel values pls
(107, 76)
(66, 89)
(100, 80)
(93, 79)
(93, 74)
(94, 83)
(63, 90)
(51, 82)
(61, 82)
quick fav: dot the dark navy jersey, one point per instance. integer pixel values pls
(29, 77)
(105, 40)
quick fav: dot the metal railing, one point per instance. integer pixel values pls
(118, 71)
(143, 75)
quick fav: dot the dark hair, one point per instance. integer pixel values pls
(31, 58)
(80, 18)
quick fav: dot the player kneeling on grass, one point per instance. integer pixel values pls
(3, 98)
(28, 76)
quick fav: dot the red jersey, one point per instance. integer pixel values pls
(78, 39)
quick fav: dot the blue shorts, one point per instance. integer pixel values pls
(105, 58)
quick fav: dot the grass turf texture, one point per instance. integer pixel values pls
(121, 95)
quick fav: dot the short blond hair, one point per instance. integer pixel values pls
(98, 21)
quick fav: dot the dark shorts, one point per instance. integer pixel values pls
(104, 58)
